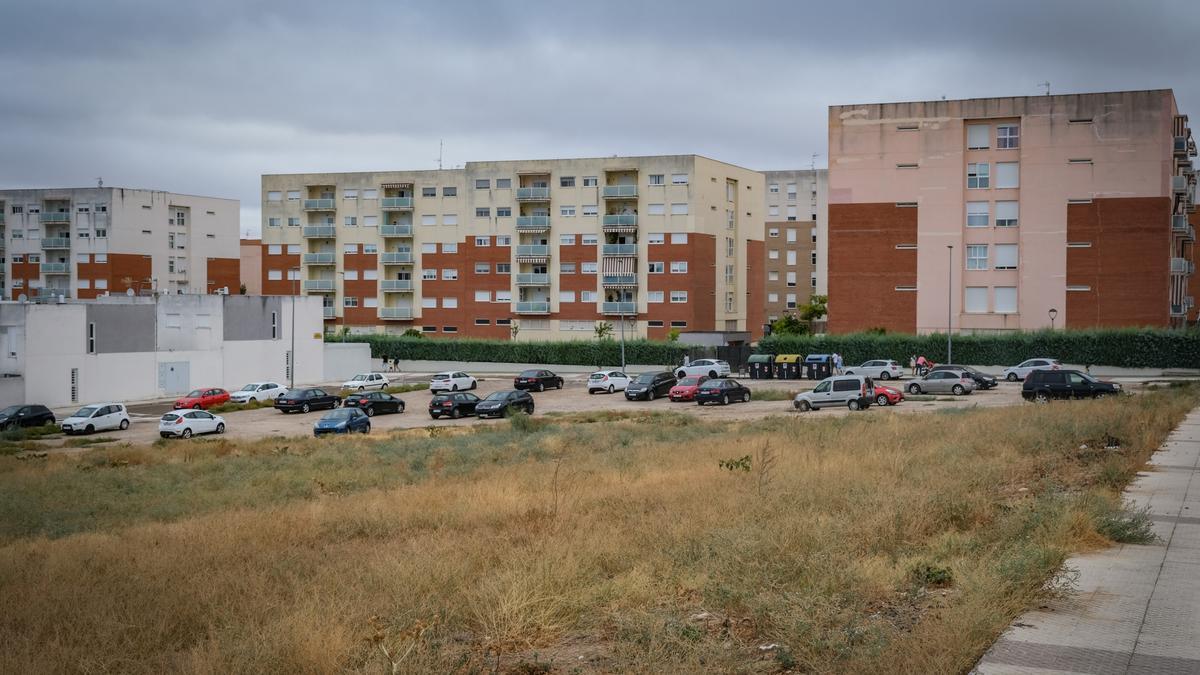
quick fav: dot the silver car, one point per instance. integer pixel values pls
(1022, 370)
(879, 369)
(954, 382)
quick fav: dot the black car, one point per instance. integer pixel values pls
(305, 400)
(505, 403)
(455, 404)
(650, 386)
(1043, 385)
(25, 416)
(722, 390)
(982, 380)
(537, 380)
(374, 402)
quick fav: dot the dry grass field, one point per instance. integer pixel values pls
(652, 543)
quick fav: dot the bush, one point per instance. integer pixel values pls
(579, 353)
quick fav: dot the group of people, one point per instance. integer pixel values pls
(919, 365)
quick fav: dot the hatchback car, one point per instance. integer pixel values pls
(885, 396)
(374, 402)
(365, 381)
(200, 399)
(982, 380)
(722, 390)
(183, 424)
(856, 392)
(712, 368)
(879, 369)
(100, 417)
(685, 389)
(649, 386)
(452, 381)
(954, 382)
(25, 416)
(1043, 385)
(505, 403)
(607, 380)
(342, 421)
(537, 380)
(304, 400)
(258, 391)
(453, 405)
(1023, 369)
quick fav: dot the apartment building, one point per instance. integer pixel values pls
(795, 232)
(1011, 213)
(533, 249)
(87, 242)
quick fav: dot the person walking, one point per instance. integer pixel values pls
(912, 364)
(921, 364)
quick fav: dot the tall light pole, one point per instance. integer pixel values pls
(949, 302)
(621, 318)
(1053, 314)
(292, 355)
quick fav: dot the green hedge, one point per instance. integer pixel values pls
(1129, 348)
(579, 352)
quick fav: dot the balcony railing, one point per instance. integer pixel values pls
(619, 280)
(396, 285)
(396, 230)
(318, 258)
(533, 223)
(619, 220)
(619, 249)
(395, 313)
(56, 268)
(533, 279)
(54, 217)
(395, 203)
(329, 312)
(533, 251)
(533, 308)
(620, 192)
(1181, 146)
(394, 258)
(1179, 184)
(533, 194)
(1179, 223)
(318, 204)
(56, 242)
(619, 307)
(1, 218)
(320, 231)
(318, 284)
(1178, 310)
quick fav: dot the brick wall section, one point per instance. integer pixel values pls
(361, 288)
(283, 263)
(28, 272)
(865, 267)
(756, 297)
(578, 254)
(224, 273)
(699, 311)
(92, 271)
(1127, 265)
(127, 270)
(463, 317)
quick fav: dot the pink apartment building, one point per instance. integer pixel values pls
(1001, 213)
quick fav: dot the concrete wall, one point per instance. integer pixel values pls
(249, 317)
(344, 360)
(121, 328)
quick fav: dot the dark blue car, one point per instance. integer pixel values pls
(343, 421)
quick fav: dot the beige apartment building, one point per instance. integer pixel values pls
(88, 242)
(795, 231)
(538, 249)
(1011, 213)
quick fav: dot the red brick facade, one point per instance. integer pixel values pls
(866, 268)
(755, 299)
(224, 273)
(700, 253)
(282, 263)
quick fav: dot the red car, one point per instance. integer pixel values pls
(199, 399)
(887, 395)
(685, 389)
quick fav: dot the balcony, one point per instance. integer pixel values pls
(541, 251)
(54, 217)
(1, 218)
(533, 223)
(396, 230)
(318, 259)
(1189, 301)
(1179, 223)
(533, 308)
(56, 268)
(318, 205)
(621, 223)
(620, 250)
(533, 279)
(329, 312)
(51, 243)
(403, 313)
(620, 192)
(396, 203)
(318, 285)
(1181, 146)
(394, 258)
(1178, 310)
(1179, 184)
(1182, 266)
(396, 285)
(621, 308)
(319, 232)
(619, 280)
(533, 194)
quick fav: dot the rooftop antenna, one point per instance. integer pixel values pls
(100, 182)
(812, 164)
(441, 146)
(1045, 84)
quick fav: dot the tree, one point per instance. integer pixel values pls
(412, 333)
(514, 329)
(242, 289)
(789, 325)
(673, 335)
(603, 329)
(815, 308)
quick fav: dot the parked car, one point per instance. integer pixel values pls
(1043, 385)
(856, 392)
(1023, 369)
(885, 396)
(505, 403)
(258, 391)
(452, 381)
(650, 386)
(184, 424)
(954, 382)
(342, 421)
(607, 380)
(374, 402)
(879, 369)
(982, 380)
(32, 415)
(456, 405)
(305, 400)
(199, 399)
(685, 389)
(712, 368)
(537, 380)
(98, 417)
(722, 390)
(365, 381)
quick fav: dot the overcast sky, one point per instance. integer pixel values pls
(204, 97)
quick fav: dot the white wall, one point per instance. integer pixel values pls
(345, 360)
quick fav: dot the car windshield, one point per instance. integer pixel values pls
(645, 378)
(195, 393)
(85, 411)
(339, 414)
(689, 381)
(249, 387)
(497, 396)
(529, 373)
(358, 378)
(10, 410)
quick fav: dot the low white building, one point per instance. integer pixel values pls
(121, 348)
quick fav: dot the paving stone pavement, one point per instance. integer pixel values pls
(1137, 609)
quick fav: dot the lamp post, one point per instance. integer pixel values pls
(292, 354)
(1052, 313)
(949, 301)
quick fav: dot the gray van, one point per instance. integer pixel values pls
(853, 391)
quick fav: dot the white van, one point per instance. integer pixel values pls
(853, 391)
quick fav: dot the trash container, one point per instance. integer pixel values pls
(787, 366)
(818, 366)
(762, 366)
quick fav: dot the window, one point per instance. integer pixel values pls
(679, 296)
(370, 302)
(349, 302)
(977, 136)
(589, 240)
(504, 240)
(679, 179)
(654, 297)
(483, 242)
(773, 210)
(566, 211)
(274, 275)
(812, 281)
(350, 275)
(655, 268)
(349, 194)
(790, 300)
(978, 175)
(370, 221)
(590, 210)
(293, 195)
(773, 232)
(1006, 256)
(975, 300)
(773, 254)
(293, 249)
(679, 237)
(370, 248)
(483, 184)
(428, 248)
(977, 257)
(450, 303)
(587, 268)
(791, 235)
(977, 214)
(791, 279)
(1008, 136)
(566, 268)
(656, 209)
(566, 296)
(350, 248)
(449, 219)
(655, 238)
(370, 275)
(678, 209)
(503, 268)
(294, 274)
(791, 190)
(450, 248)
(773, 276)
(272, 222)
(587, 296)
(274, 196)
(1007, 175)
(483, 268)
(590, 181)
(772, 297)
(91, 343)
(504, 212)
(429, 192)
(791, 213)
(449, 329)
(503, 296)
(293, 222)
(483, 322)
(813, 234)
(370, 193)
(503, 183)
(274, 249)
(1006, 214)
(679, 267)
(773, 188)
(657, 179)
(791, 257)
(100, 258)
(566, 181)
(429, 274)
(1006, 299)
(566, 240)
(812, 258)
(449, 274)
(483, 212)
(350, 221)
(429, 303)
(449, 191)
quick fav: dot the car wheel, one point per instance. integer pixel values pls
(611, 389)
(681, 374)
(803, 406)
(885, 375)
(49, 422)
(434, 416)
(90, 429)
(305, 408)
(914, 388)
(1099, 394)
(725, 399)
(362, 388)
(853, 404)
(529, 409)
(10, 426)
(591, 392)
(1012, 377)
(650, 395)
(541, 387)
(221, 428)
(849, 372)
(455, 413)
(474, 384)
(124, 425)
(712, 374)
(454, 388)
(881, 400)
(1042, 397)
(187, 433)
(958, 390)
(367, 429)
(370, 411)
(559, 385)
(196, 407)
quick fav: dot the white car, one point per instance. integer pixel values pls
(365, 381)
(452, 380)
(879, 369)
(184, 423)
(98, 417)
(607, 380)
(710, 368)
(1022, 370)
(258, 391)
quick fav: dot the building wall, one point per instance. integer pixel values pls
(881, 293)
(806, 209)
(250, 269)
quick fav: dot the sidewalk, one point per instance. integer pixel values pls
(1137, 609)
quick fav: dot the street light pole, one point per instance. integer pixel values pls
(1053, 314)
(292, 365)
(621, 318)
(949, 302)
